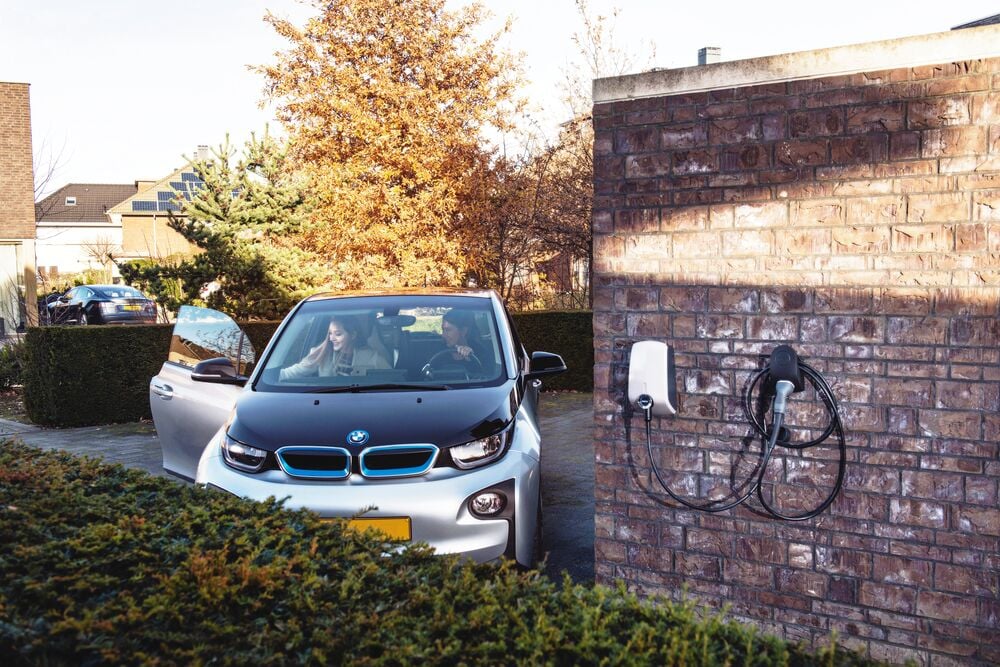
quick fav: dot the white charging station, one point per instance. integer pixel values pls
(651, 372)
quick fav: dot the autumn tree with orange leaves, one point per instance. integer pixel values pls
(386, 104)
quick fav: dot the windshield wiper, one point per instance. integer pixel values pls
(387, 386)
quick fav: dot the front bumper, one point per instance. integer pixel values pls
(436, 502)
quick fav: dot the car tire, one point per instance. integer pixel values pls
(82, 321)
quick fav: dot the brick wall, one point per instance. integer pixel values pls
(856, 217)
(17, 208)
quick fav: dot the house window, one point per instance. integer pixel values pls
(70, 201)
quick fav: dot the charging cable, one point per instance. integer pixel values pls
(782, 379)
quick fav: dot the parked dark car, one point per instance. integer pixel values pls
(102, 304)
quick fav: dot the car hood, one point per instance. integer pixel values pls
(269, 420)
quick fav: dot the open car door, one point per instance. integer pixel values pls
(192, 396)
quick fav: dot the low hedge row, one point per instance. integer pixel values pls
(80, 376)
(106, 565)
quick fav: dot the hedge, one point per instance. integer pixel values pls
(81, 376)
(107, 565)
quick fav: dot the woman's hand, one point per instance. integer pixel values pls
(463, 351)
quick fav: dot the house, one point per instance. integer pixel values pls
(74, 232)
(143, 217)
(17, 214)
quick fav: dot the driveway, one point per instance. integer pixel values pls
(566, 421)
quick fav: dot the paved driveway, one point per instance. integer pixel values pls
(567, 470)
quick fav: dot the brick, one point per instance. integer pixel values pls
(876, 210)
(981, 491)
(733, 300)
(863, 240)
(698, 244)
(939, 112)
(747, 243)
(965, 580)
(825, 122)
(734, 131)
(720, 326)
(637, 220)
(917, 330)
(684, 219)
(972, 238)
(813, 212)
(954, 142)
(894, 391)
(967, 395)
(950, 423)
(867, 148)
(802, 582)
(684, 299)
(978, 520)
(986, 205)
(917, 513)
(786, 301)
(759, 549)
(771, 214)
(936, 485)
(906, 571)
(938, 207)
(645, 166)
(640, 140)
(695, 162)
(904, 145)
(647, 246)
(684, 136)
(799, 153)
(886, 596)
(878, 118)
(843, 561)
(946, 607)
(773, 327)
(857, 329)
(923, 238)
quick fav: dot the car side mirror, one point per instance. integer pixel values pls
(219, 370)
(545, 363)
(64, 299)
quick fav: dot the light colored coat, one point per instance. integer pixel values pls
(364, 359)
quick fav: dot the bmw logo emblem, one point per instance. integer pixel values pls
(357, 437)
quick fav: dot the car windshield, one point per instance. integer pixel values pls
(386, 343)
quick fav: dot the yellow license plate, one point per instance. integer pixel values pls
(131, 307)
(397, 528)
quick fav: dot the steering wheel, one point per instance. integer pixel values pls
(445, 359)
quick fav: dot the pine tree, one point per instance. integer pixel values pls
(246, 217)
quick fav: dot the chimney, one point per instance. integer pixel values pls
(709, 54)
(202, 153)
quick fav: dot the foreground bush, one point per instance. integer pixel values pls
(105, 565)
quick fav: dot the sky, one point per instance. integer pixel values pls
(121, 90)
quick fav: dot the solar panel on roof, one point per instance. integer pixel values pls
(164, 196)
(178, 185)
(190, 177)
(169, 206)
(144, 206)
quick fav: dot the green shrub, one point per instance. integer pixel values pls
(10, 365)
(566, 333)
(106, 565)
(79, 376)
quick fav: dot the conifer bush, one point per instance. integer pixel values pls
(103, 565)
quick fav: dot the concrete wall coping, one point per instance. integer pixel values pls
(935, 48)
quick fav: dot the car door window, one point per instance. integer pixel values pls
(203, 333)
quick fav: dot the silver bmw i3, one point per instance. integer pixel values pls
(410, 412)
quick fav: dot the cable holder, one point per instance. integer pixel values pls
(784, 374)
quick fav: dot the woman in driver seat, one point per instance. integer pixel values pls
(340, 353)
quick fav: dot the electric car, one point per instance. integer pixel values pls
(411, 412)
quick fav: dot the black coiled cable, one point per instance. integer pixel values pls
(770, 440)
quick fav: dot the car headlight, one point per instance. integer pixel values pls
(480, 452)
(241, 455)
